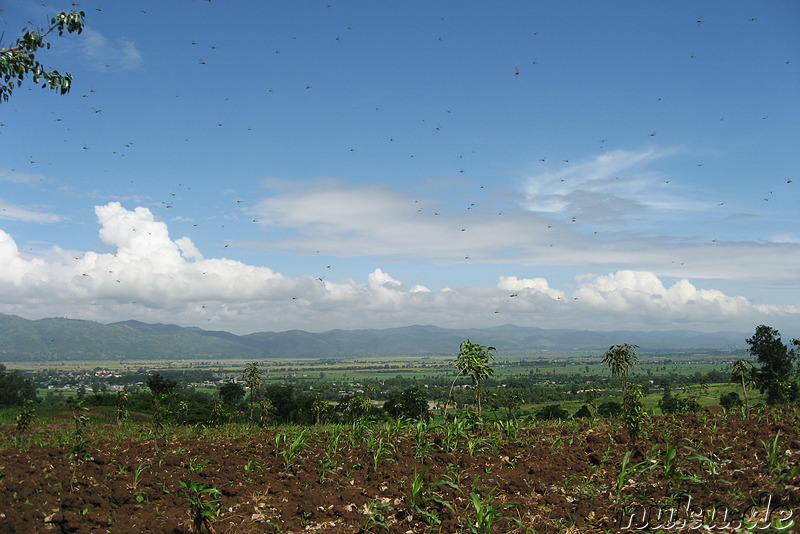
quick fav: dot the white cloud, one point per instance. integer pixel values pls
(637, 290)
(530, 285)
(102, 52)
(608, 189)
(188, 249)
(19, 213)
(20, 177)
(151, 277)
(373, 221)
(785, 238)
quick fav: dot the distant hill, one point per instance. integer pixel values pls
(59, 339)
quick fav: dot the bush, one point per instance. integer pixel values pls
(412, 403)
(730, 401)
(552, 412)
(609, 409)
(14, 388)
(673, 404)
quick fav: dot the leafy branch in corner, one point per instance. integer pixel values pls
(19, 60)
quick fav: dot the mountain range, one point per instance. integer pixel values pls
(60, 339)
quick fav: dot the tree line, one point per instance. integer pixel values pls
(771, 369)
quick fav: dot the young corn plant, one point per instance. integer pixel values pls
(252, 465)
(773, 453)
(487, 512)
(377, 514)
(204, 505)
(422, 441)
(327, 467)
(382, 449)
(358, 430)
(453, 432)
(422, 498)
(628, 471)
(290, 451)
(79, 450)
(670, 462)
(711, 463)
(139, 495)
(508, 427)
(475, 444)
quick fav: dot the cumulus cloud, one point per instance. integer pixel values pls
(152, 277)
(529, 285)
(644, 292)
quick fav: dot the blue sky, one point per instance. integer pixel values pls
(255, 166)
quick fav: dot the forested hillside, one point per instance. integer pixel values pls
(58, 339)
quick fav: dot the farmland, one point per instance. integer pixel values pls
(552, 378)
(182, 461)
(478, 443)
(456, 476)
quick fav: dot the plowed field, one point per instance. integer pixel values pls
(708, 471)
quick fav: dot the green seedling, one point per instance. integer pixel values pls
(382, 449)
(327, 466)
(197, 464)
(487, 512)
(137, 473)
(251, 465)
(204, 505)
(627, 471)
(290, 452)
(422, 443)
(422, 497)
(377, 515)
(773, 453)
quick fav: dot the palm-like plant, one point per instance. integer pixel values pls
(252, 377)
(620, 358)
(473, 360)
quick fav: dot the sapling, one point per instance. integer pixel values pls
(78, 449)
(633, 410)
(252, 377)
(473, 360)
(25, 416)
(122, 411)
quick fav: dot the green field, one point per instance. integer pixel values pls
(547, 379)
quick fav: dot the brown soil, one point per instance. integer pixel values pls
(547, 478)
